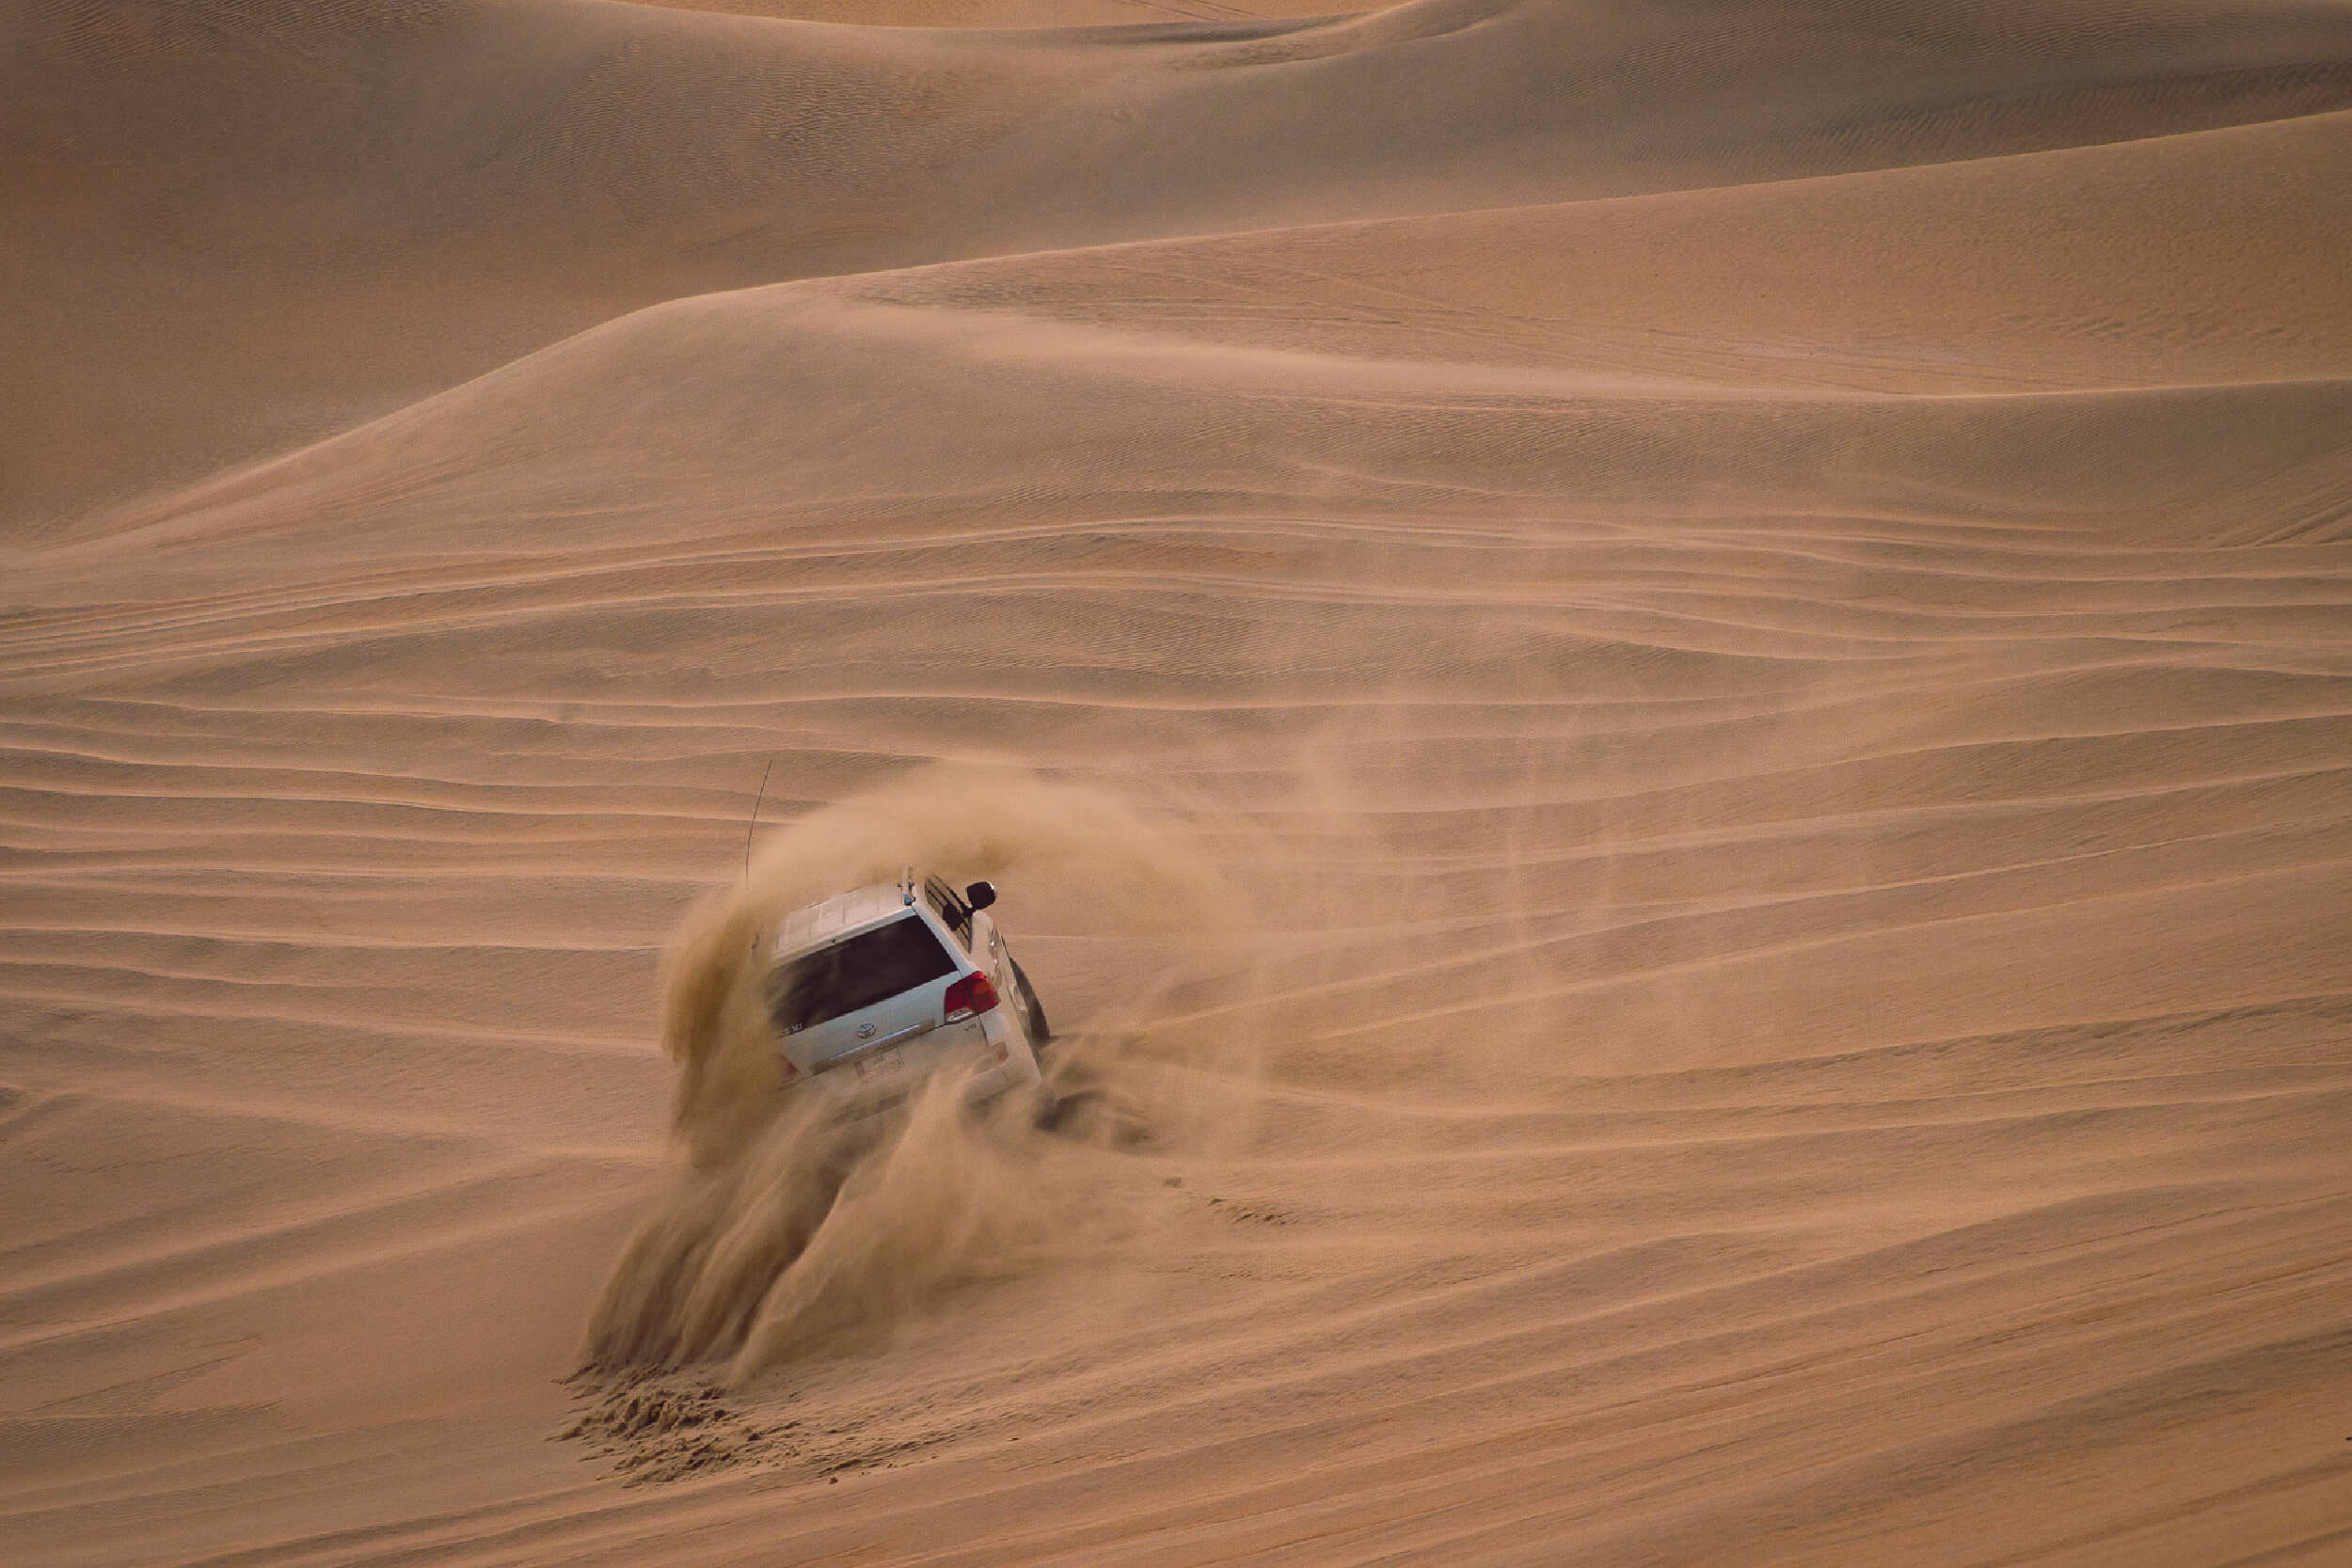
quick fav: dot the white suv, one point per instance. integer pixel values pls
(874, 987)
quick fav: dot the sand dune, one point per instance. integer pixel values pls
(1713, 642)
(250, 225)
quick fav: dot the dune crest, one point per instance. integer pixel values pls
(251, 226)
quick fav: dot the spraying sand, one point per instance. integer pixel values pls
(793, 1217)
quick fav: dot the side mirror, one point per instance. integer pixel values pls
(980, 894)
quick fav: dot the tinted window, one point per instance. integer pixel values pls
(816, 988)
(953, 912)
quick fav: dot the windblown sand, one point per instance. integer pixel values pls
(1666, 688)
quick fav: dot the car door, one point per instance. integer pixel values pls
(977, 930)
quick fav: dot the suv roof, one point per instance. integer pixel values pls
(843, 913)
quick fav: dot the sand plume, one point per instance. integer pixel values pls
(791, 1218)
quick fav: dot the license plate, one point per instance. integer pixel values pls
(879, 1064)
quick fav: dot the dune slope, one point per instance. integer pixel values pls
(244, 227)
(1751, 604)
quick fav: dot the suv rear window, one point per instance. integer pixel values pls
(816, 988)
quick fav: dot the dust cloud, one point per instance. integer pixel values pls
(788, 1221)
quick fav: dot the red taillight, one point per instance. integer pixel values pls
(968, 996)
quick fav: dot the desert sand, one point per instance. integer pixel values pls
(1665, 688)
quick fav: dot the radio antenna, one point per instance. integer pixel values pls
(758, 801)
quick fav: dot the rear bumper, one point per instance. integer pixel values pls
(988, 1044)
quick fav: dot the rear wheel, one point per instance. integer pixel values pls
(1075, 1104)
(1069, 1113)
(1032, 1010)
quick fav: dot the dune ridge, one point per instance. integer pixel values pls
(251, 226)
(1746, 606)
